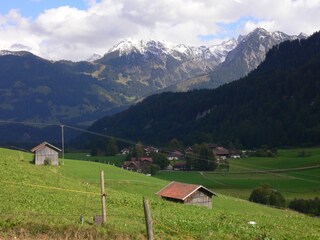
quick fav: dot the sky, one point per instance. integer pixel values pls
(76, 29)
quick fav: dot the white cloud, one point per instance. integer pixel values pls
(70, 33)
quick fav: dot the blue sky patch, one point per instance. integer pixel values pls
(32, 8)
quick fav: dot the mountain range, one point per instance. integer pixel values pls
(277, 104)
(39, 90)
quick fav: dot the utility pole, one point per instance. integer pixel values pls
(103, 199)
(62, 143)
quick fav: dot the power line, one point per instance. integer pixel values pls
(198, 157)
(29, 123)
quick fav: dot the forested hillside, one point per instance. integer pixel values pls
(278, 104)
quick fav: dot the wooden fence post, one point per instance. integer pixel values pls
(148, 218)
(103, 199)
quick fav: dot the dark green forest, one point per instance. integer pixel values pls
(278, 104)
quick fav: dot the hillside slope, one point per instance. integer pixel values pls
(276, 105)
(42, 202)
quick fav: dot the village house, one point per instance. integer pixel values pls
(180, 166)
(188, 150)
(131, 166)
(125, 151)
(141, 165)
(177, 166)
(189, 194)
(46, 154)
(175, 155)
(221, 153)
(150, 150)
(235, 153)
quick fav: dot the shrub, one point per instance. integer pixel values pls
(309, 206)
(304, 153)
(47, 161)
(266, 195)
(154, 169)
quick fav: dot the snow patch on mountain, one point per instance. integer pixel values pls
(94, 57)
(14, 53)
(178, 51)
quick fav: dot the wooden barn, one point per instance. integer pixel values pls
(189, 194)
(46, 154)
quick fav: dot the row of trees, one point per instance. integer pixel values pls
(268, 196)
(308, 206)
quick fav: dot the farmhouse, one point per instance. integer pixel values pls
(189, 194)
(150, 150)
(125, 151)
(221, 153)
(138, 164)
(175, 155)
(131, 165)
(45, 153)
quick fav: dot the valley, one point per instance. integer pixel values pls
(185, 120)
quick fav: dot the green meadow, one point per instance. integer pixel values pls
(243, 175)
(84, 156)
(46, 202)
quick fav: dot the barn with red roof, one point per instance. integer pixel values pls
(189, 194)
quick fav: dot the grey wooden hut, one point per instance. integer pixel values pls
(45, 153)
(189, 194)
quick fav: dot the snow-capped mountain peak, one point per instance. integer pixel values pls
(216, 53)
(94, 57)
(303, 35)
(221, 50)
(128, 46)
(14, 53)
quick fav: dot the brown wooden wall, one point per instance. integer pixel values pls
(199, 198)
(46, 153)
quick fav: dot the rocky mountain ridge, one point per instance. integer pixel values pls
(249, 52)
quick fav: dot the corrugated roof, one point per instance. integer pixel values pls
(42, 145)
(181, 191)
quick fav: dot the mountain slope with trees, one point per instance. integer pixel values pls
(277, 104)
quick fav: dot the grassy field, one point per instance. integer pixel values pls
(84, 156)
(292, 184)
(44, 202)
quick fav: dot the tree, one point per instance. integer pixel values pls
(202, 158)
(112, 147)
(266, 195)
(138, 151)
(160, 159)
(94, 151)
(175, 144)
(154, 169)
